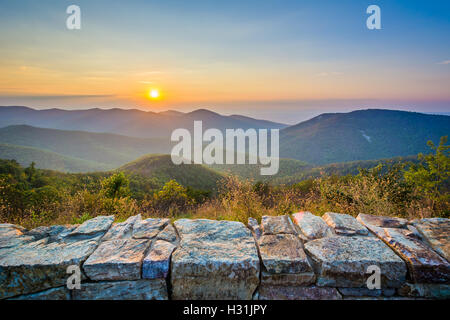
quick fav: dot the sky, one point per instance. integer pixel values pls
(278, 60)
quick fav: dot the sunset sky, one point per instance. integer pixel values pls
(277, 60)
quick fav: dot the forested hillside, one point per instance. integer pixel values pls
(362, 135)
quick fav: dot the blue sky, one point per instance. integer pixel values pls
(283, 60)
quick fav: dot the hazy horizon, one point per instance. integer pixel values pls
(302, 115)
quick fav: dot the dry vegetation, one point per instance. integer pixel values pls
(395, 189)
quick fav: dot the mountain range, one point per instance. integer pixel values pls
(36, 135)
(133, 123)
(107, 150)
(362, 135)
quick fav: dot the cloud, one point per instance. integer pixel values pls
(47, 97)
(444, 62)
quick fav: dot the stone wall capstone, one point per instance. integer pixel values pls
(296, 257)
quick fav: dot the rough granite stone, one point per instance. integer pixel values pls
(12, 226)
(287, 279)
(283, 253)
(341, 261)
(219, 259)
(381, 298)
(425, 290)
(298, 293)
(436, 233)
(157, 263)
(415, 233)
(40, 265)
(122, 230)
(425, 265)
(123, 290)
(12, 235)
(149, 228)
(277, 225)
(344, 224)
(54, 233)
(117, 260)
(215, 260)
(381, 221)
(311, 226)
(168, 234)
(99, 224)
(365, 292)
(61, 293)
(255, 227)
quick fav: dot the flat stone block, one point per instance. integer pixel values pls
(298, 293)
(99, 224)
(425, 290)
(436, 233)
(283, 253)
(365, 292)
(40, 265)
(277, 225)
(123, 290)
(13, 236)
(311, 226)
(287, 279)
(55, 294)
(117, 260)
(342, 261)
(168, 234)
(157, 263)
(215, 260)
(149, 228)
(122, 230)
(381, 221)
(425, 265)
(344, 224)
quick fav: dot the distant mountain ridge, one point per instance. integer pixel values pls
(44, 159)
(108, 150)
(130, 122)
(362, 135)
(329, 138)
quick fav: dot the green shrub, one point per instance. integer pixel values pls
(116, 186)
(173, 197)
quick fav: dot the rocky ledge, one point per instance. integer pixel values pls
(299, 257)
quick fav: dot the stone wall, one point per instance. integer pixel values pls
(299, 257)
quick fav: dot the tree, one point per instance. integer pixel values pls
(431, 175)
(116, 186)
(172, 195)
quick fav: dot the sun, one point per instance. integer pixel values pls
(153, 94)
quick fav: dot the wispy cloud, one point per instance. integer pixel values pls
(46, 97)
(444, 62)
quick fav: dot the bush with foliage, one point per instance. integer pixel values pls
(431, 177)
(172, 198)
(116, 186)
